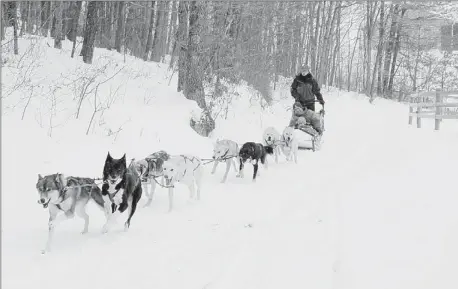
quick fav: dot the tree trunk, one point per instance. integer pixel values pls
(120, 26)
(371, 18)
(394, 11)
(172, 27)
(181, 43)
(194, 86)
(13, 12)
(350, 64)
(91, 31)
(150, 33)
(45, 17)
(336, 47)
(397, 45)
(4, 13)
(58, 32)
(158, 41)
(314, 41)
(76, 14)
(24, 13)
(380, 48)
(144, 36)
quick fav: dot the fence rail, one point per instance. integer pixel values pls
(437, 110)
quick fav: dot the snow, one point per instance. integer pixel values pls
(376, 207)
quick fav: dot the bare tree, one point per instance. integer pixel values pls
(90, 31)
(58, 31)
(120, 26)
(181, 43)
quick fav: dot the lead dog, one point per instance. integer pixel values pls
(67, 195)
(255, 152)
(184, 169)
(122, 189)
(150, 169)
(271, 137)
(225, 151)
(290, 143)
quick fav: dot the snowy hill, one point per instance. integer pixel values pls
(375, 208)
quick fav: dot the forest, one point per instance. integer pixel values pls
(387, 49)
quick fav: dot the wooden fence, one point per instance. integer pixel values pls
(437, 105)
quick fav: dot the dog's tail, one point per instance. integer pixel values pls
(269, 150)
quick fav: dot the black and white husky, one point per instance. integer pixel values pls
(256, 152)
(66, 195)
(184, 169)
(225, 151)
(122, 189)
(150, 169)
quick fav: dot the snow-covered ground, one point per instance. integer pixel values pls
(375, 208)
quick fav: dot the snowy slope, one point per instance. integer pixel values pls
(375, 208)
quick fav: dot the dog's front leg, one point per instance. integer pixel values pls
(276, 154)
(240, 174)
(228, 167)
(54, 219)
(110, 220)
(216, 162)
(235, 163)
(255, 169)
(192, 190)
(145, 188)
(170, 199)
(151, 195)
(81, 212)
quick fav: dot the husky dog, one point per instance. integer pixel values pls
(225, 151)
(271, 137)
(290, 144)
(68, 195)
(121, 188)
(256, 152)
(149, 169)
(184, 169)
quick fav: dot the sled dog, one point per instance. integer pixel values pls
(255, 152)
(122, 189)
(290, 143)
(184, 169)
(150, 168)
(67, 195)
(271, 137)
(225, 151)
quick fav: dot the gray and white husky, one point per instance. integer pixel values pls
(150, 168)
(225, 151)
(184, 169)
(66, 195)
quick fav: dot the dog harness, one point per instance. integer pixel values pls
(192, 161)
(62, 193)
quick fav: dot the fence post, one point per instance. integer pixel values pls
(437, 121)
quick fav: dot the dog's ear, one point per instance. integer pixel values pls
(123, 157)
(40, 177)
(109, 158)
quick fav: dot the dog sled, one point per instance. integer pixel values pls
(308, 137)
